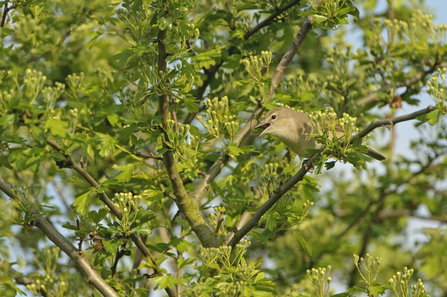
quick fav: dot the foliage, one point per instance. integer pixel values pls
(129, 165)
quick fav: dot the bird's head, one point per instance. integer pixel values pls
(274, 122)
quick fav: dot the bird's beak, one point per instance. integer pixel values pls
(264, 126)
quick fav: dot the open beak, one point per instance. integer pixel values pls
(264, 126)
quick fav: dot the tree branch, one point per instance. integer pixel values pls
(392, 121)
(149, 156)
(217, 167)
(106, 200)
(245, 217)
(239, 234)
(270, 18)
(184, 202)
(59, 240)
(374, 97)
(5, 12)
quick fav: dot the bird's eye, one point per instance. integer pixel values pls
(274, 116)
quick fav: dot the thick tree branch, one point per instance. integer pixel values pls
(184, 202)
(217, 167)
(245, 217)
(106, 200)
(239, 234)
(374, 97)
(59, 240)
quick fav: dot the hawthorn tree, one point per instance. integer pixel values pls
(130, 164)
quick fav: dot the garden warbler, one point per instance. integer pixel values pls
(293, 128)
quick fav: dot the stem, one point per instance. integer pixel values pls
(184, 202)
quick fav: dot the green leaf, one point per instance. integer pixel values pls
(432, 118)
(165, 281)
(330, 165)
(235, 150)
(185, 28)
(126, 174)
(270, 223)
(265, 236)
(57, 127)
(112, 245)
(306, 96)
(152, 194)
(97, 216)
(224, 181)
(262, 294)
(260, 276)
(182, 262)
(5, 31)
(82, 202)
(356, 289)
(113, 119)
(188, 70)
(107, 144)
(345, 294)
(33, 163)
(310, 186)
(142, 216)
(163, 23)
(376, 290)
(304, 244)
(191, 105)
(318, 19)
(100, 259)
(183, 246)
(69, 226)
(7, 120)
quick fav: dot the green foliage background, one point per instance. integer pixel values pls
(124, 122)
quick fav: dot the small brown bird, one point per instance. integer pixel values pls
(291, 128)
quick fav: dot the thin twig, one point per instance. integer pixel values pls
(219, 222)
(5, 12)
(119, 254)
(149, 156)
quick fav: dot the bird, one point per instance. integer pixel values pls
(294, 129)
